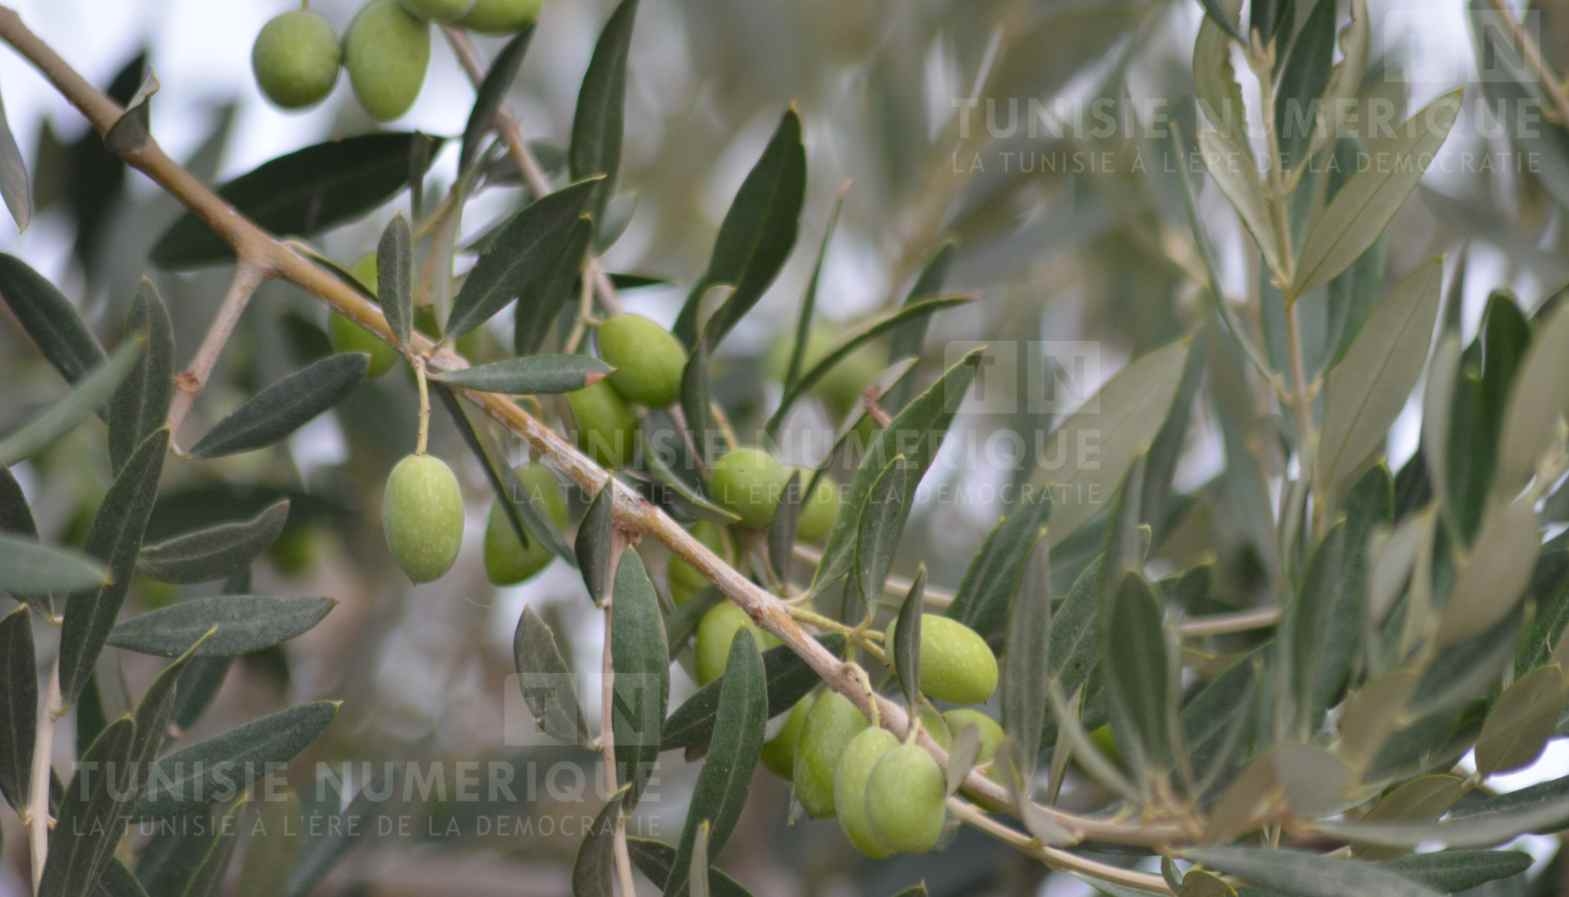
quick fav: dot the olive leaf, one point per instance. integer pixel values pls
(534, 374)
(86, 398)
(1026, 659)
(596, 543)
(1492, 579)
(1137, 674)
(1536, 402)
(395, 277)
(597, 121)
(803, 321)
(788, 679)
(533, 319)
(1307, 874)
(593, 870)
(698, 869)
(490, 96)
(546, 681)
(1235, 173)
(1455, 871)
(907, 638)
(28, 567)
(879, 524)
(91, 819)
(213, 552)
(641, 658)
(993, 578)
(49, 318)
(284, 406)
(141, 404)
(1228, 20)
(18, 706)
(655, 859)
(1304, 75)
(304, 193)
(244, 623)
(15, 185)
(1521, 721)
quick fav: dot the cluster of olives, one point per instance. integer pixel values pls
(386, 49)
(648, 362)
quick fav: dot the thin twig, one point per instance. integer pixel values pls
(1229, 624)
(1532, 53)
(38, 819)
(189, 383)
(1054, 857)
(633, 513)
(895, 587)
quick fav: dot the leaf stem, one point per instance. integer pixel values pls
(38, 819)
(248, 276)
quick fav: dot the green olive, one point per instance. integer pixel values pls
(779, 752)
(386, 51)
(295, 550)
(686, 580)
(989, 730)
(842, 384)
(438, 10)
(507, 560)
(830, 725)
(647, 358)
(500, 16)
(296, 58)
(716, 631)
(956, 663)
(861, 756)
(820, 510)
(905, 799)
(748, 482)
(422, 516)
(606, 425)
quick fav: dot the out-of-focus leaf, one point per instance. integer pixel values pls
(206, 878)
(1122, 419)
(131, 131)
(641, 658)
(880, 522)
(1312, 779)
(907, 639)
(695, 401)
(1215, 78)
(788, 679)
(1137, 674)
(213, 552)
(803, 322)
(304, 193)
(245, 623)
(754, 239)
(1365, 205)
(733, 750)
(188, 779)
(284, 406)
(15, 185)
(18, 706)
(1454, 871)
(1307, 874)
(115, 539)
(1437, 399)
(597, 122)
(491, 94)
(31, 568)
(1521, 721)
(655, 859)
(117, 881)
(1303, 78)
(323, 852)
(994, 574)
(1490, 582)
(595, 545)
(1234, 172)
(1321, 630)
(1026, 661)
(593, 872)
(522, 260)
(395, 277)
(1536, 402)
(62, 416)
(782, 529)
(534, 374)
(546, 680)
(1228, 21)
(142, 402)
(91, 819)
(50, 319)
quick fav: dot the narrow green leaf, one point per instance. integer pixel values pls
(880, 522)
(245, 623)
(284, 406)
(803, 322)
(1453, 871)
(695, 402)
(539, 308)
(15, 185)
(596, 543)
(1307, 874)
(490, 96)
(754, 239)
(681, 490)
(50, 319)
(907, 639)
(189, 778)
(522, 259)
(1320, 631)
(593, 872)
(546, 680)
(1536, 402)
(1214, 76)
(962, 756)
(1491, 581)
(641, 657)
(304, 193)
(85, 398)
(155, 710)
(1437, 400)
(1303, 78)
(1226, 19)
(116, 539)
(1137, 672)
(324, 852)
(1121, 420)
(1521, 721)
(91, 820)
(1233, 169)
(18, 706)
(1369, 386)
(141, 403)
(698, 869)
(655, 859)
(733, 751)
(213, 552)
(782, 529)
(31, 568)
(788, 678)
(117, 881)
(861, 336)
(395, 277)
(532, 375)
(994, 574)
(1365, 205)
(597, 122)
(206, 879)
(1026, 659)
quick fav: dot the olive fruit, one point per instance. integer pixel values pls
(861, 756)
(507, 560)
(830, 725)
(842, 384)
(956, 663)
(347, 336)
(296, 58)
(422, 516)
(294, 552)
(686, 580)
(779, 752)
(500, 16)
(606, 425)
(386, 51)
(647, 358)
(985, 726)
(820, 510)
(748, 482)
(905, 799)
(716, 630)
(438, 10)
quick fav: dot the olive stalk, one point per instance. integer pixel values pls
(271, 257)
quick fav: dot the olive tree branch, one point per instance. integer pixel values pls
(632, 513)
(528, 166)
(190, 382)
